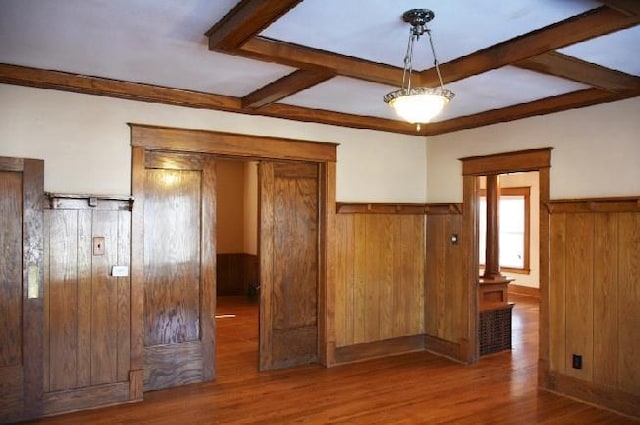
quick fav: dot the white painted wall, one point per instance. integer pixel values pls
(85, 142)
(596, 151)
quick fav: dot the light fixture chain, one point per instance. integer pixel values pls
(435, 58)
(408, 64)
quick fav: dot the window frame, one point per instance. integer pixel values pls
(524, 191)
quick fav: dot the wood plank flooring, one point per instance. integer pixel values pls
(417, 388)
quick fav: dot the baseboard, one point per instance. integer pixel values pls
(590, 393)
(524, 290)
(377, 349)
(442, 347)
(58, 402)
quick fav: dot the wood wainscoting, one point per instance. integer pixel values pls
(594, 299)
(398, 280)
(235, 272)
(86, 309)
(446, 286)
(380, 257)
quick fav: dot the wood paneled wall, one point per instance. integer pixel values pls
(595, 301)
(86, 310)
(235, 272)
(380, 260)
(445, 282)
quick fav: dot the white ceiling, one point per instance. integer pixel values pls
(162, 42)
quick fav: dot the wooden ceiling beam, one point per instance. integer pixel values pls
(40, 78)
(58, 80)
(307, 58)
(247, 19)
(577, 99)
(47, 79)
(628, 7)
(574, 69)
(285, 86)
(322, 116)
(588, 25)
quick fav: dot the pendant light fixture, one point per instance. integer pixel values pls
(418, 105)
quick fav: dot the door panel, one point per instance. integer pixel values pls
(21, 190)
(179, 269)
(289, 202)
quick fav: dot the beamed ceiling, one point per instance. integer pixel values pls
(328, 61)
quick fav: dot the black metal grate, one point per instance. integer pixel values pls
(495, 330)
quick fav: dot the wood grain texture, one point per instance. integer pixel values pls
(11, 338)
(235, 272)
(411, 388)
(207, 302)
(605, 295)
(240, 145)
(85, 398)
(593, 23)
(545, 267)
(21, 266)
(445, 286)
(628, 302)
(289, 202)
(327, 265)
(123, 322)
(87, 331)
(247, 19)
(172, 256)
(377, 349)
(137, 260)
(178, 269)
(558, 275)
(380, 277)
(104, 301)
(173, 365)
(548, 105)
(526, 160)
(579, 294)
(32, 256)
(593, 301)
(11, 393)
(62, 307)
(286, 86)
(84, 298)
(572, 68)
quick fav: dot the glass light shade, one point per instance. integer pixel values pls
(420, 105)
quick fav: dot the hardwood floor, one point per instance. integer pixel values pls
(417, 388)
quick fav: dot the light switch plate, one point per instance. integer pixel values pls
(120, 271)
(98, 246)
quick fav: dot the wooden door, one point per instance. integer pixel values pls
(289, 201)
(179, 269)
(87, 310)
(21, 192)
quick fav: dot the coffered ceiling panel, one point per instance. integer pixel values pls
(155, 42)
(620, 50)
(374, 29)
(503, 87)
(328, 61)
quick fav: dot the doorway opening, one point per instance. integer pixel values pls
(237, 268)
(518, 206)
(173, 170)
(492, 165)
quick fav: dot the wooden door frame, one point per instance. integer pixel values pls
(501, 163)
(238, 146)
(32, 301)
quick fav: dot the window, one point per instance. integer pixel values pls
(513, 227)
